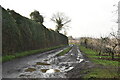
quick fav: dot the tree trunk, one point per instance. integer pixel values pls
(113, 52)
(100, 53)
(112, 55)
(109, 53)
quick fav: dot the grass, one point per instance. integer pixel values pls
(102, 57)
(102, 73)
(106, 62)
(64, 51)
(25, 53)
(96, 59)
(109, 69)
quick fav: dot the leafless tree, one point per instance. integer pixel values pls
(114, 35)
(103, 42)
(61, 20)
(115, 43)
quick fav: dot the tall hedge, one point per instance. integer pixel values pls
(21, 34)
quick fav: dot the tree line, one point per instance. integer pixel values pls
(59, 18)
(109, 45)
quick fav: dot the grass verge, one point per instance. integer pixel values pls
(108, 68)
(26, 53)
(98, 59)
(101, 73)
(64, 51)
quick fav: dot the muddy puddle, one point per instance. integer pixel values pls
(30, 69)
(41, 63)
(44, 70)
(50, 67)
(50, 70)
(45, 60)
(23, 75)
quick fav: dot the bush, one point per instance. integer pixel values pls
(22, 34)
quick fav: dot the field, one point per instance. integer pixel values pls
(105, 68)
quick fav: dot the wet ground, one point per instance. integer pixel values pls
(48, 65)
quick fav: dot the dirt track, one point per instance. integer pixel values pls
(68, 66)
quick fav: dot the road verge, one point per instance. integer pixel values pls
(27, 53)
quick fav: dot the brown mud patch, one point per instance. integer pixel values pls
(41, 63)
(30, 69)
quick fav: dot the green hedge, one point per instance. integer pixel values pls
(26, 53)
(22, 34)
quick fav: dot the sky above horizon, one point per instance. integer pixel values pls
(92, 18)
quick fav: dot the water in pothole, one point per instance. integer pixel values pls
(46, 60)
(42, 63)
(50, 70)
(30, 69)
(49, 67)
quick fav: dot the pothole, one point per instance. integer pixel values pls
(50, 70)
(44, 70)
(41, 63)
(30, 69)
(23, 75)
(56, 70)
(45, 60)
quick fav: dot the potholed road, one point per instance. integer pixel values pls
(47, 65)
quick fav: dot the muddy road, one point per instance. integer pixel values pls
(48, 65)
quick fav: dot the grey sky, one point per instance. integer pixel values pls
(89, 17)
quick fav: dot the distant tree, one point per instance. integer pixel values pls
(37, 17)
(70, 37)
(61, 20)
(86, 42)
(115, 43)
(103, 43)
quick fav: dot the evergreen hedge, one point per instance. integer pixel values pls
(22, 34)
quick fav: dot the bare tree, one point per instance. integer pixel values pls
(61, 20)
(115, 43)
(102, 42)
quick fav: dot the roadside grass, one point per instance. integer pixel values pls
(106, 62)
(64, 51)
(26, 53)
(109, 69)
(98, 59)
(102, 73)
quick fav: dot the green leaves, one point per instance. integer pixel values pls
(22, 34)
(37, 17)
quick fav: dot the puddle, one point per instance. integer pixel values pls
(23, 75)
(45, 60)
(44, 70)
(41, 63)
(70, 68)
(81, 60)
(56, 70)
(30, 69)
(50, 70)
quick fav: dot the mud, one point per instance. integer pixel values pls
(48, 65)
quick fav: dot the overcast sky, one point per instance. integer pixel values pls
(89, 17)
